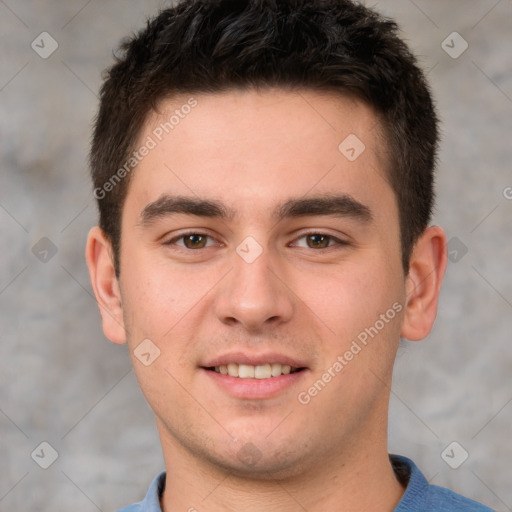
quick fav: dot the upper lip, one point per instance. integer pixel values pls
(254, 359)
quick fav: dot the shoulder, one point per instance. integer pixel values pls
(445, 500)
(136, 507)
(420, 496)
(151, 502)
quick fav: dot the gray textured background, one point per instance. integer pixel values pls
(63, 383)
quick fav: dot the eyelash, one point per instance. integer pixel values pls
(337, 241)
(183, 235)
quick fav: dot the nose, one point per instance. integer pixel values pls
(254, 295)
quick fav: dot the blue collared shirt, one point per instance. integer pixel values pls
(419, 495)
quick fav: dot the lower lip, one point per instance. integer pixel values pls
(255, 389)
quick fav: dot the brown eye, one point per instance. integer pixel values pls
(194, 241)
(318, 241)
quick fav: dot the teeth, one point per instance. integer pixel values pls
(233, 370)
(263, 371)
(276, 370)
(286, 369)
(247, 371)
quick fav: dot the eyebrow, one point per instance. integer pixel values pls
(335, 205)
(167, 205)
(331, 205)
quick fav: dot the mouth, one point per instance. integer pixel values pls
(261, 382)
(261, 372)
(260, 376)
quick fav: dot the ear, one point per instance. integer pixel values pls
(98, 254)
(423, 283)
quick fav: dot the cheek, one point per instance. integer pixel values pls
(159, 297)
(349, 297)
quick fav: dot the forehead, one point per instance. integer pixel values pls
(253, 147)
(319, 110)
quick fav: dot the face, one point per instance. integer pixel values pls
(251, 237)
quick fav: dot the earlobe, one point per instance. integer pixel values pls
(98, 255)
(423, 285)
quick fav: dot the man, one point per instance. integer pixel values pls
(264, 174)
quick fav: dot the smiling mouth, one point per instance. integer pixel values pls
(247, 371)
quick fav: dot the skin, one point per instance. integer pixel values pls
(252, 151)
